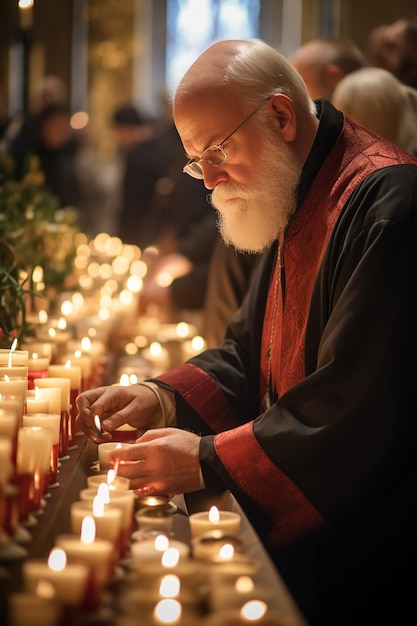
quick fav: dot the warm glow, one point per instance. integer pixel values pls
(45, 589)
(170, 586)
(155, 349)
(253, 610)
(124, 380)
(43, 316)
(170, 557)
(88, 529)
(139, 268)
(104, 314)
(198, 343)
(134, 284)
(98, 506)
(62, 323)
(38, 393)
(182, 329)
(126, 297)
(86, 344)
(161, 543)
(52, 333)
(131, 348)
(244, 584)
(167, 611)
(67, 307)
(214, 515)
(103, 492)
(226, 552)
(37, 274)
(105, 271)
(120, 265)
(57, 559)
(68, 364)
(25, 4)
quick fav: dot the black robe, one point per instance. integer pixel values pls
(327, 475)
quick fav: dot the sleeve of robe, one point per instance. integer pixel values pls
(341, 443)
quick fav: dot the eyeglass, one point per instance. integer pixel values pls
(214, 155)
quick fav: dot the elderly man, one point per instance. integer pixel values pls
(306, 412)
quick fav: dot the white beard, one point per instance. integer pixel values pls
(252, 216)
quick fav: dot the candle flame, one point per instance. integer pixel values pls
(253, 610)
(168, 611)
(111, 475)
(103, 492)
(57, 559)
(85, 344)
(244, 584)
(226, 552)
(124, 380)
(98, 506)
(43, 316)
(88, 529)
(38, 393)
(182, 329)
(6, 378)
(62, 323)
(214, 515)
(155, 349)
(170, 586)
(68, 364)
(97, 423)
(161, 543)
(12, 349)
(170, 557)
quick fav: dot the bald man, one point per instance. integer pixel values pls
(306, 412)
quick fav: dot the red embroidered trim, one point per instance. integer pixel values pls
(203, 394)
(292, 514)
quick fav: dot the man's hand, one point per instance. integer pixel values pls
(165, 460)
(116, 405)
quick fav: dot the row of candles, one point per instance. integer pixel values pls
(166, 580)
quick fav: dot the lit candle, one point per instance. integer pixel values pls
(108, 521)
(68, 582)
(95, 553)
(160, 519)
(122, 499)
(14, 362)
(205, 521)
(53, 422)
(158, 357)
(63, 384)
(73, 373)
(209, 545)
(104, 450)
(34, 445)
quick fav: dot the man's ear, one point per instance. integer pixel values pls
(284, 115)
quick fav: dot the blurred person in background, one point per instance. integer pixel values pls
(324, 62)
(373, 97)
(394, 48)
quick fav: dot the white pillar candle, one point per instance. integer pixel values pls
(9, 416)
(14, 362)
(14, 386)
(63, 384)
(123, 500)
(69, 581)
(205, 521)
(95, 553)
(73, 373)
(104, 450)
(113, 481)
(35, 403)
(53, 422)
(34, 446)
